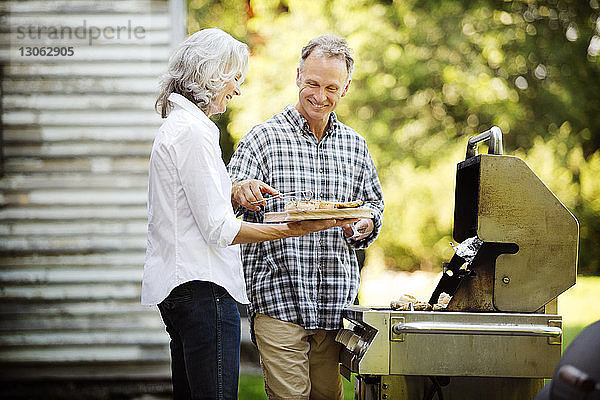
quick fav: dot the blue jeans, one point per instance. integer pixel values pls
(203, 322)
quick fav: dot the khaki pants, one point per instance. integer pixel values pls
(298, 363)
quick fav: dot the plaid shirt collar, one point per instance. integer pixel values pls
(298, 120)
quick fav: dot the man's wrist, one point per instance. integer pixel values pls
(235, 186)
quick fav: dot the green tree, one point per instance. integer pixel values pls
(429, 75)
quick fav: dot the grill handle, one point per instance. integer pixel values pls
(493, 135)
(427, 327)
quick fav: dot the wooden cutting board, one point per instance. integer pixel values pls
(301, 215)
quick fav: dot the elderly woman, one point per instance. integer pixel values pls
(193, 269)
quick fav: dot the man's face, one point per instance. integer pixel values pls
(322, 83)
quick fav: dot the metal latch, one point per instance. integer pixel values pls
(396, 337)
(555, 323)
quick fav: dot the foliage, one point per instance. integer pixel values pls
(579, 304)
(428, 75)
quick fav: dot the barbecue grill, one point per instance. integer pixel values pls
(500, 334)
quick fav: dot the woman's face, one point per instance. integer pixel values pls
(231, 89)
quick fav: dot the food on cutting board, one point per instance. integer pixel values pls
(310, 205)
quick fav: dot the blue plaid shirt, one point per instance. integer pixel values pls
(306, 280)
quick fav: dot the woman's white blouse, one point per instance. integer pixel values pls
(191, 222)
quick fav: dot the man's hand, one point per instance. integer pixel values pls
(250, 190)
(359, 230)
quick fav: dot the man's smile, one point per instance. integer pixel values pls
(317, 106)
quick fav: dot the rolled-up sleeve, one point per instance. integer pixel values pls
(207, 187)
(229, 230)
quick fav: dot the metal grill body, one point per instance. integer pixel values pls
(499, 336)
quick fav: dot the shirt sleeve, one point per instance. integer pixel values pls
(370, 191)
(245, 163)
(202, 173)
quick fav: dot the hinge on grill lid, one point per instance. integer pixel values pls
(555, 323)
(396, 337)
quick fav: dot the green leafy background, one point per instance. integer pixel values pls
(429, 75)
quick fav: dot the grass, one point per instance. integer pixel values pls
(578, 306)
(252, 388)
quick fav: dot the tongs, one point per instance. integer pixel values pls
(307, 195)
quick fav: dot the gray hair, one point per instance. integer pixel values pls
(330, 46)
(200, 67)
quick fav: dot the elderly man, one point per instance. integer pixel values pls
(298, 287)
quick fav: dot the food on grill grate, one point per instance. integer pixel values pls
(303, 205)
(407, 302)
(403, 302)
(442, 302)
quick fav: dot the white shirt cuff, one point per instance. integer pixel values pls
(230, 229)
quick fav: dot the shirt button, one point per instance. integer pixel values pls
(321, 170)
(320, 194)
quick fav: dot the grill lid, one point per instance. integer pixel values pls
(529, 239)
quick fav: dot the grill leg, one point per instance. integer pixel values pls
(367, 387)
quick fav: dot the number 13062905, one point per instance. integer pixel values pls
(46, 51)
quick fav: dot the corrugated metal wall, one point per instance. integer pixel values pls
(77, 132)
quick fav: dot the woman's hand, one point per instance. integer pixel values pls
(299, 228)
(253, 232)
